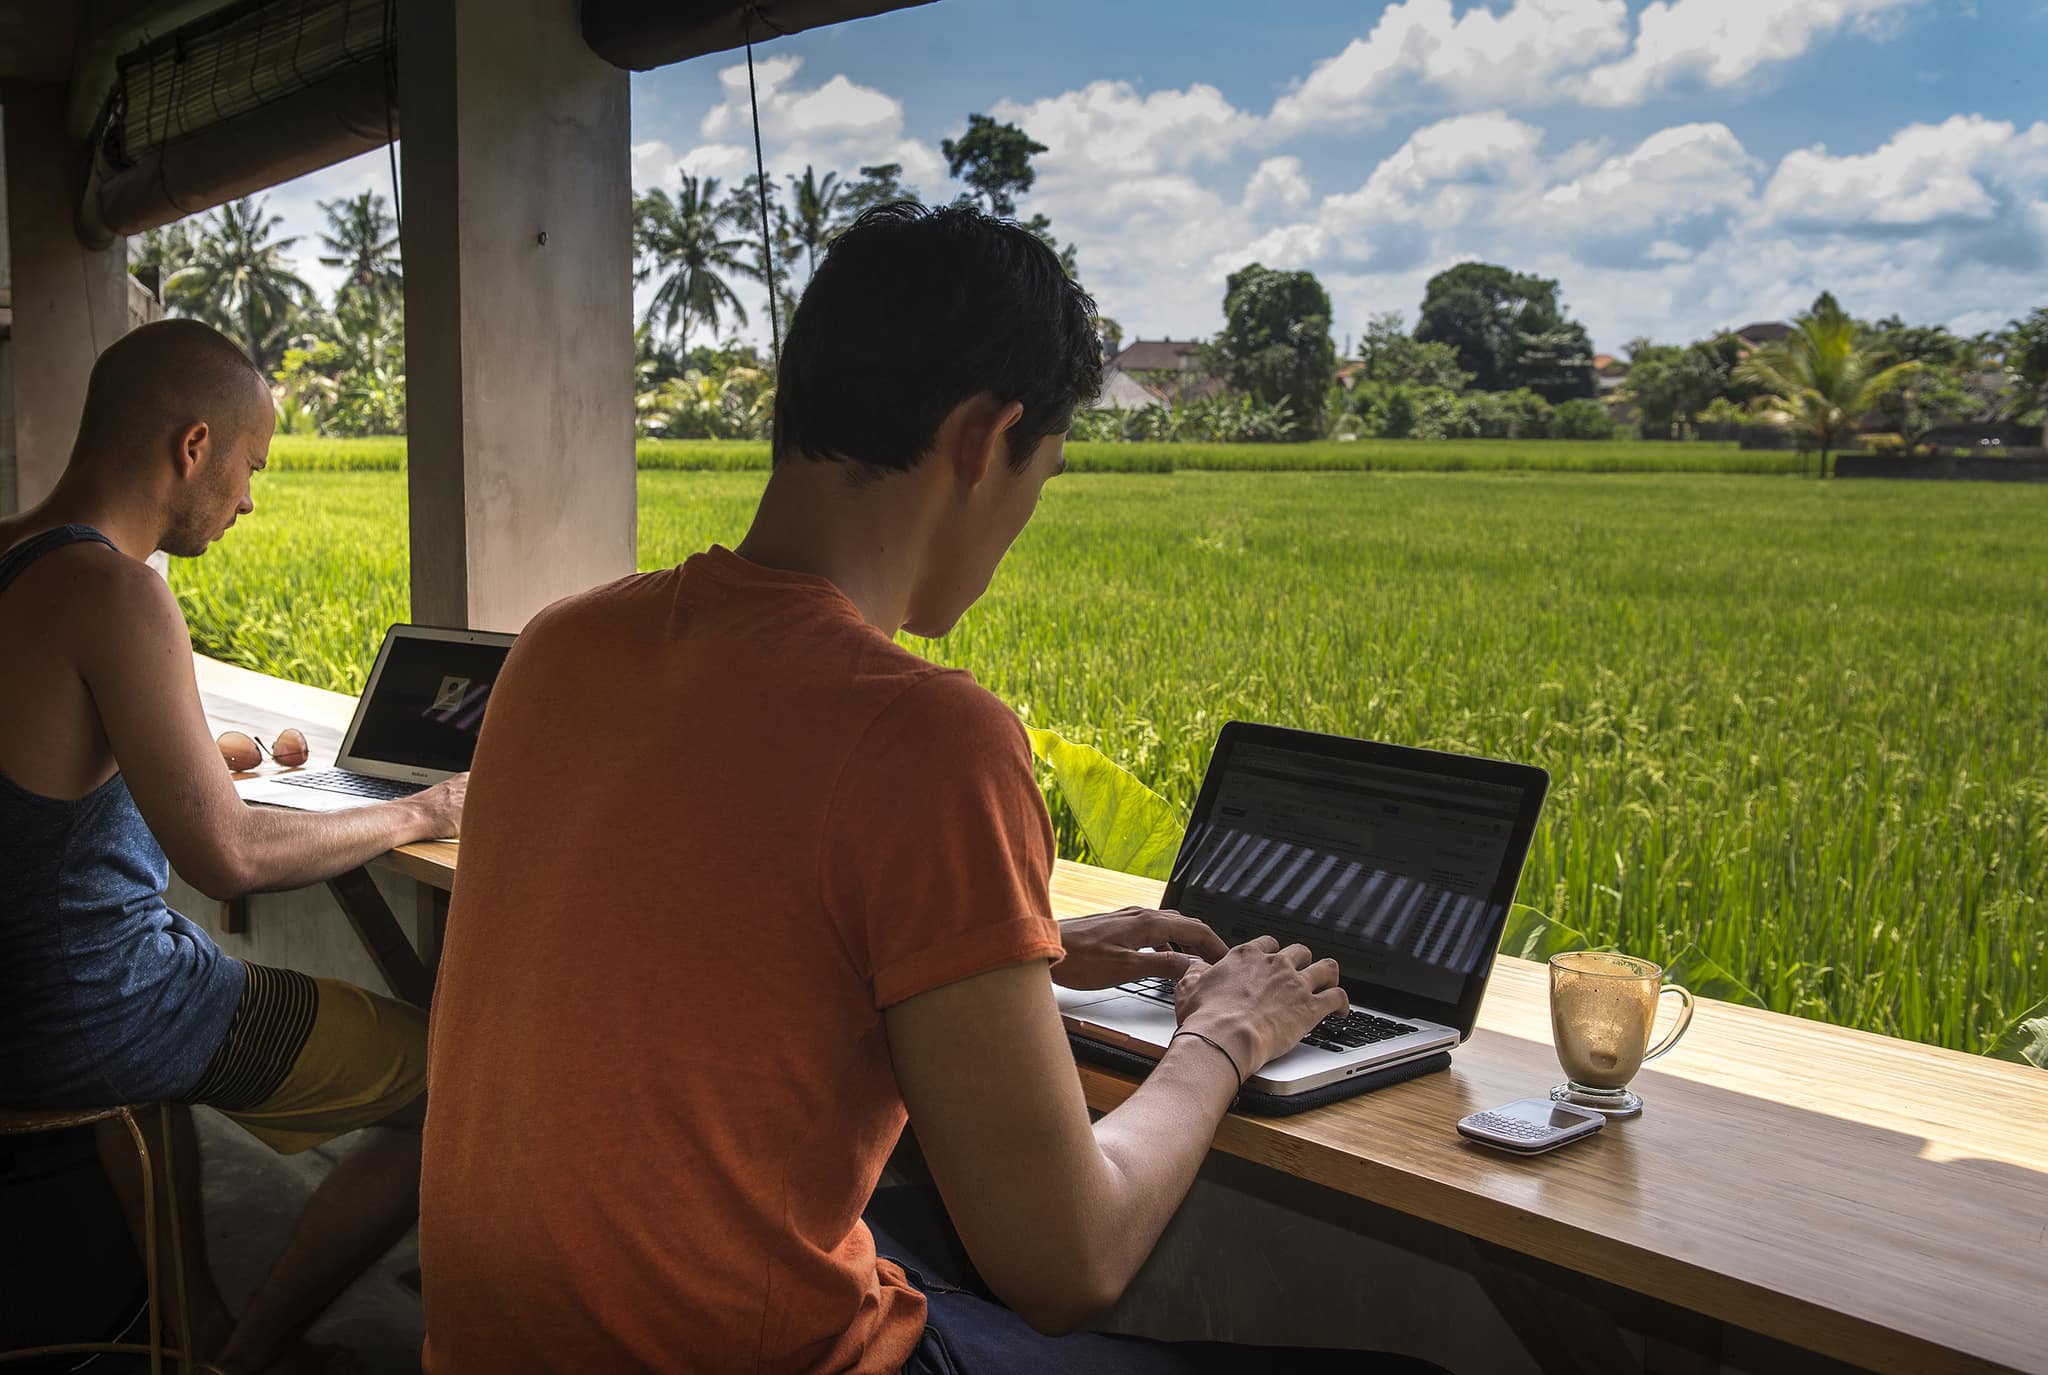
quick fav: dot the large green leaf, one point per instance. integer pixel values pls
(2026, 1040)
(1709, 978)
(1129, 827)
(1530, 935)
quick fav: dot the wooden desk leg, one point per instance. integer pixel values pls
(430, 919)
(383, 938)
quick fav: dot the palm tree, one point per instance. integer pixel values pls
(154, 254)
(815, 220)
(239, 281)
(1820, 379)
(362, 240)
(685, 243)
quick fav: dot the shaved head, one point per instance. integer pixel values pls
(177, 416)
(165, 376)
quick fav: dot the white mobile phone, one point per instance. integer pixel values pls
(1531, 1126)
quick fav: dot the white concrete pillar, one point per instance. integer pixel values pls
(68, 301)
(519, 324)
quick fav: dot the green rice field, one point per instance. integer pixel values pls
(297, 453)
(1797, 726)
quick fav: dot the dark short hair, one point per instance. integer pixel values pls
(912, 312)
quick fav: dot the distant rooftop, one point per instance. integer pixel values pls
(1121, 391)
(1161, 355)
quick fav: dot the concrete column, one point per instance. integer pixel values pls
(68, 301)
(519, 310)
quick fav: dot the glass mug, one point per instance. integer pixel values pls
(1602, 1009)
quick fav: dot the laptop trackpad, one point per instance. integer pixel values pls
(1140, 1023)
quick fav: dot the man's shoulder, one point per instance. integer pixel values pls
(590, 615)
(944, 714)
(88, 578)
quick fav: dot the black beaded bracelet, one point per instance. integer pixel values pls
(1190, 1031)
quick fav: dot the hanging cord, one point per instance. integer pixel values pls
(390, 99)
(761, 184)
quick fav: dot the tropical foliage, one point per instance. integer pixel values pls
(236, 277)
(688, 245)
(1222, 419)
(1275, 346)
(815, 204)
(346, 375)
(1822, 377)
(707, 393)
(362, 240)
(1509, 331)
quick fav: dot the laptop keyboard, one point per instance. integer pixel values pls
(1348, 1032)
(354, 784)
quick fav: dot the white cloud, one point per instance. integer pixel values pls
(838, 125)
(1107, 126)
(1278, 182)
(1470, 150)
(1482, 57)
(1677, 189)
(1966, 168)
(789, 113)
(1423, 53)
(1721, 42)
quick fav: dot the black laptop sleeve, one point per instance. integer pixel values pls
(1268, 1104)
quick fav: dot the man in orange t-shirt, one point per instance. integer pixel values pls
(742, 879)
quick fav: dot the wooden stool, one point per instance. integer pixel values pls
(23, 1122)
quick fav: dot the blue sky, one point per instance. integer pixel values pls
(1678, 165)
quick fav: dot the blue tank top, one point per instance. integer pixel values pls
(106, 995)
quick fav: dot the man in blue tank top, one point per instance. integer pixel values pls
(109, 776)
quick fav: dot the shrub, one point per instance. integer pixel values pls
(1582, 419)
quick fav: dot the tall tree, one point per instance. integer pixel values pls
(879, 184)
(2026, 362)
(1556, 364)
(785, 249)
(239, 281)
(1276, 343)
(362, 240)
(154, 254)
(1670, 385)
(1822, 378)
(1508, 329)
(690, 245)
(1390, 356)
(994, 159)
(814, 211)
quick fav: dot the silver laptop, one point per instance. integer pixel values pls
(415, 724)
(1398, 863)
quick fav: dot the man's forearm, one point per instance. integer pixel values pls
(1153, 1144)
(277, 849)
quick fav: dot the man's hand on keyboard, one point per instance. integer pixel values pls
(1260, 999)
(1109, 948)
(441, 807)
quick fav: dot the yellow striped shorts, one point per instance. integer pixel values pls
(307, 1059)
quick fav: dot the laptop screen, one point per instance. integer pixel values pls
(1394, 872)
(427, 704)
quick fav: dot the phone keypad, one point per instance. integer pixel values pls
(1502, 1125)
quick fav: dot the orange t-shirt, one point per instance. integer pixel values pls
(717, 823)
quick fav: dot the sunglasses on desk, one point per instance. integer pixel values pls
(243, 751)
